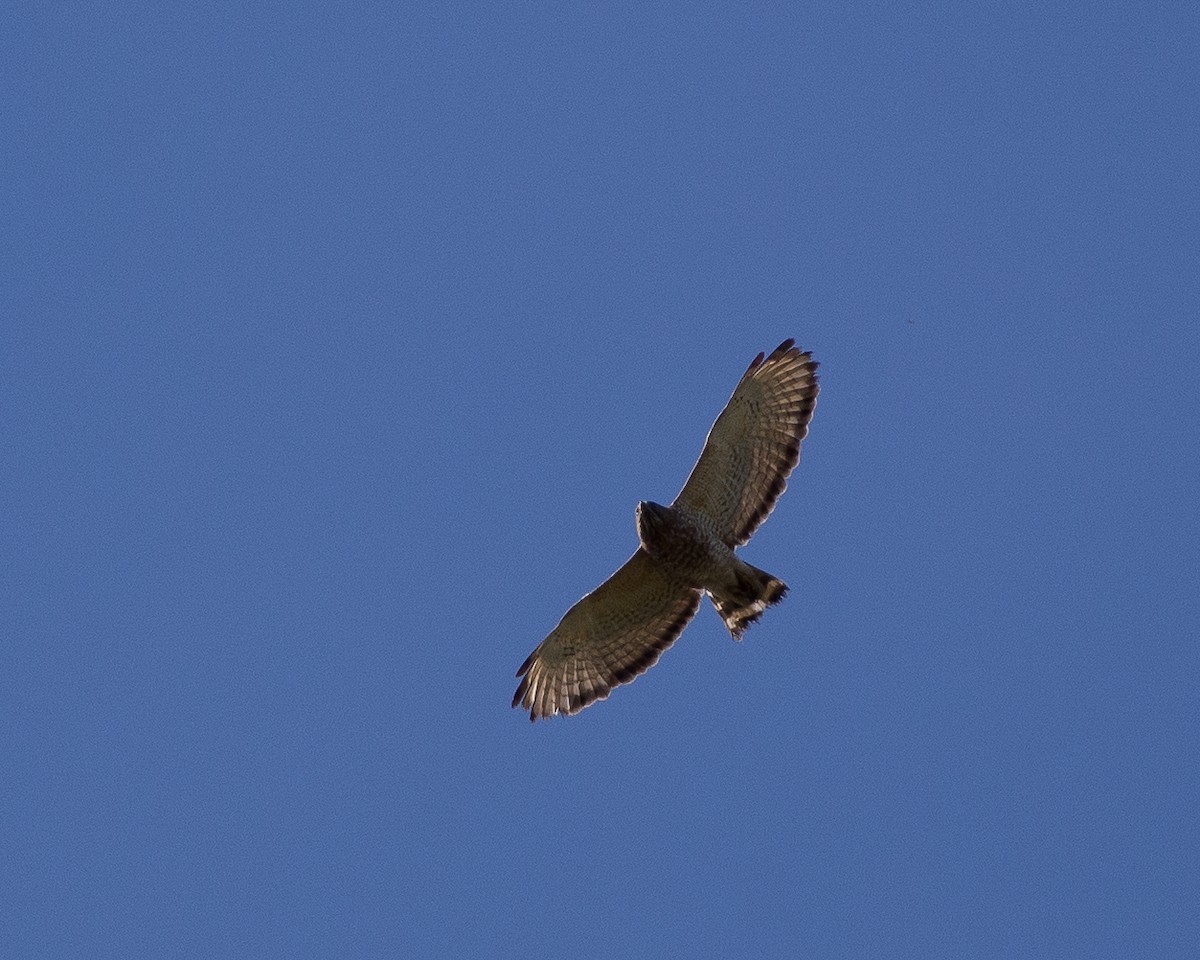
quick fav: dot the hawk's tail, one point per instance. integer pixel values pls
(743, 604)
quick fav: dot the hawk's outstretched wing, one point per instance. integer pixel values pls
(754, 444)
(612, 635)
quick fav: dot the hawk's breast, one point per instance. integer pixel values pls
(683, 541)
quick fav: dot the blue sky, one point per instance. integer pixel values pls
(338, 343)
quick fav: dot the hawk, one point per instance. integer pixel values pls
(620, 629)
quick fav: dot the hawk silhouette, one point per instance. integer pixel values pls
(620, 629)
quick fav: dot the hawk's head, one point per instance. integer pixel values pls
(653, 520)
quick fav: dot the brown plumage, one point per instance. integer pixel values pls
(621, 628)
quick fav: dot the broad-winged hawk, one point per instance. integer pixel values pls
(621, 628)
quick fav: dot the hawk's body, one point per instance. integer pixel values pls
(688, 544)
(621, 628)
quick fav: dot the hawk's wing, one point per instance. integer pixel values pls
(612, 635)
(754, 444)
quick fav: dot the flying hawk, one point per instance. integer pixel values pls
(620, 629)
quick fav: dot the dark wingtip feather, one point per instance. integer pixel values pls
(521, 688)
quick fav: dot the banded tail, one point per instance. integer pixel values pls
(755, 590)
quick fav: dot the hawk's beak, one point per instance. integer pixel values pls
(648, 510)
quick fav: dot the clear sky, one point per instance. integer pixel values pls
(339, 341)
